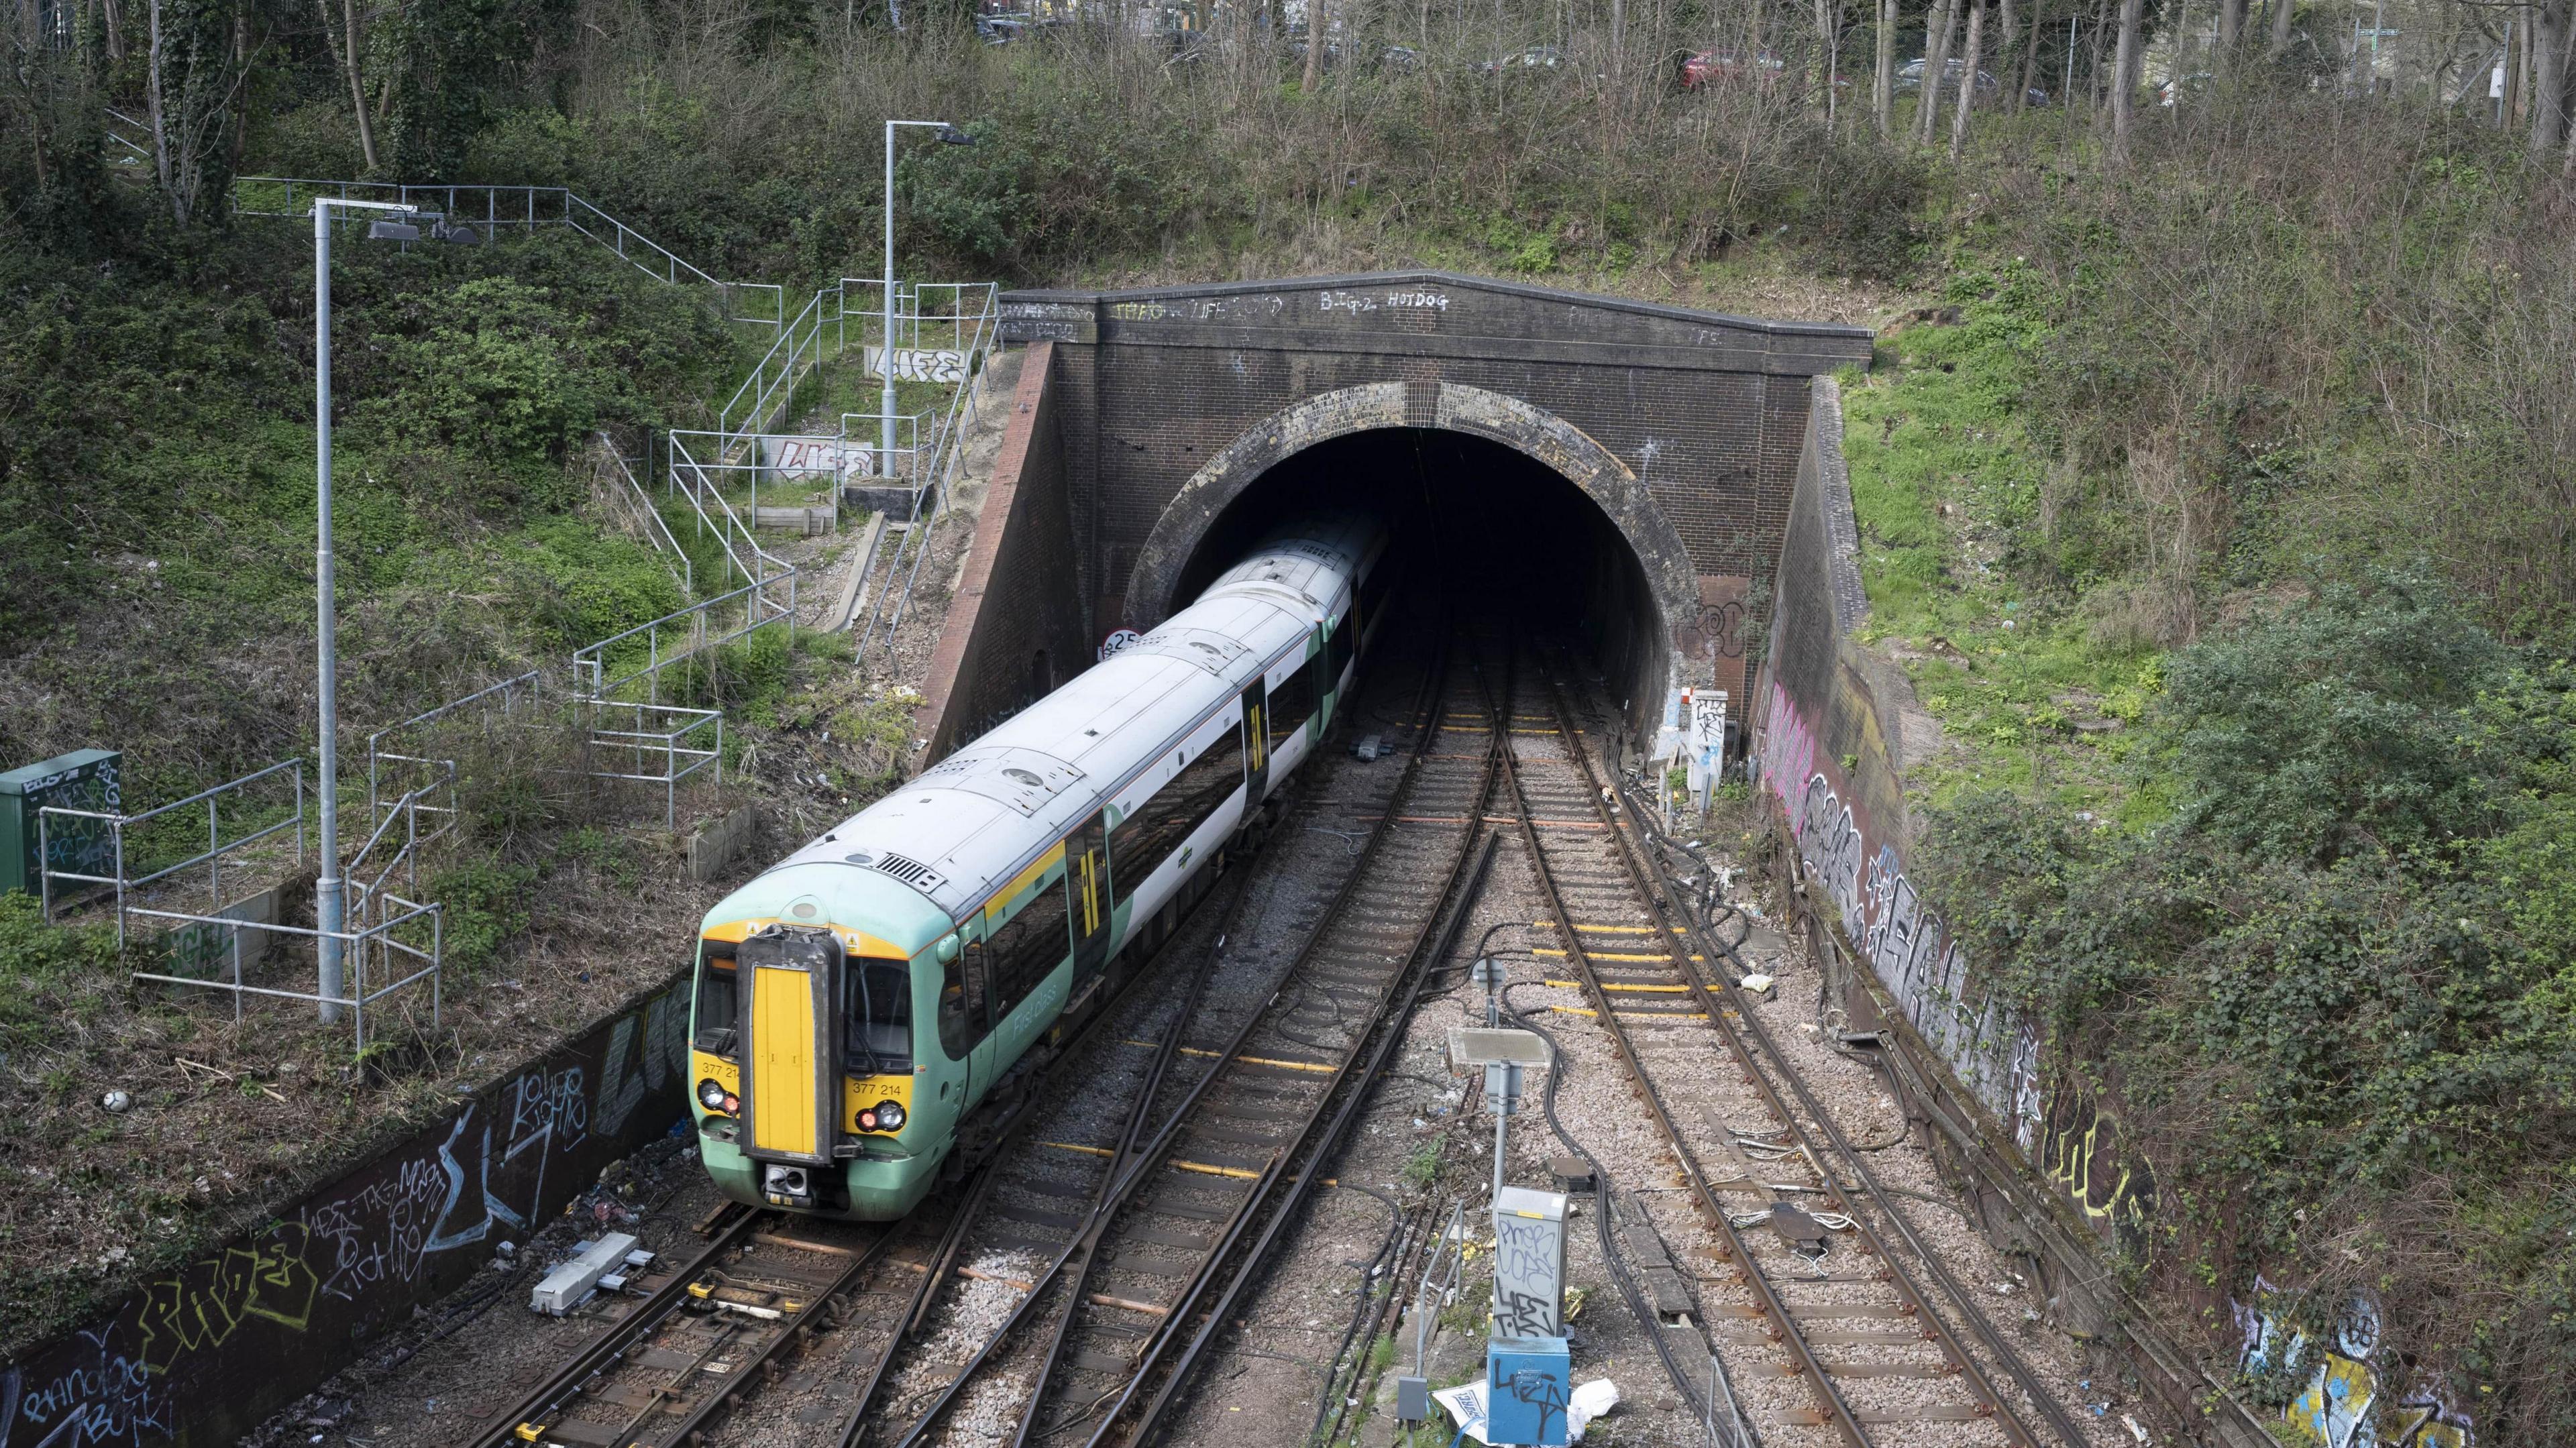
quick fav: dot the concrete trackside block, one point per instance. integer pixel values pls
(568, 1284)
(719, 842)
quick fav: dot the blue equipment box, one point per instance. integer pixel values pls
(1527, 1383)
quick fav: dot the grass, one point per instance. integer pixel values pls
(1947, 485)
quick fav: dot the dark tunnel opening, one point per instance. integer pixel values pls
(1486, 519)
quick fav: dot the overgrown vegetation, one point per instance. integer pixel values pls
(2219, 498)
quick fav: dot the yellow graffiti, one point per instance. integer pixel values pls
(203, 1306)
(2075, 1159)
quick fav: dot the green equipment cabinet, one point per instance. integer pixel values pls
(83, 779)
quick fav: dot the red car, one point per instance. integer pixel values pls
(1727, 63)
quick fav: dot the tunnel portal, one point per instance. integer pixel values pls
(1625, 466)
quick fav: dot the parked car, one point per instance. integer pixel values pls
(1536, 57)
(1909, 77)
(1725, 63)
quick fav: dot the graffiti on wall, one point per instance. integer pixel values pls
(2344, 1401)
(1990, 1049)
(2080, 1154)
(310, 1286)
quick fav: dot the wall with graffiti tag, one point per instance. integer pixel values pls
(207, 1350)
(2347, 1395)
(1832, 750)
(1830, 746)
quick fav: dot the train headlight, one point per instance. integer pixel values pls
(890, 1115)
(711, 1094)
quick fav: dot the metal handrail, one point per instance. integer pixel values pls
(657, 531)
(951, 444)
(632, 246)
(211, 856)
(761, 385)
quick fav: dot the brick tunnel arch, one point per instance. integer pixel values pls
(1661, 558)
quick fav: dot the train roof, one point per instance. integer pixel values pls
(970, 823)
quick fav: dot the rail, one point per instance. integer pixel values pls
(754, 564)
(935, 488)
(636, 506)
(120, 827)
(702, 626)
(1733, 1021)
(523, 207)
(426, 773)
(679, 738)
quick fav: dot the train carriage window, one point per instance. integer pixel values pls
(878, 1013)
(1337, 652)
(1032, 943)
(1292, 703)
(1145, 839)
(717, 1030)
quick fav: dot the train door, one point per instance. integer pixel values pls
(1256, 744)
(1086, 878)
(788, 979)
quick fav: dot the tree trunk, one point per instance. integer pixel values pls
(2231, 28)
(1825, 55)
(1968, 78)
(1882, 85)
(1314, 44)
(160, 124)
(2124, 85)
(350, 46)
(2007, 25)
(2517, 46)
(2550, 33)
(2282, 15)
(1936, 66)
(2030, 59)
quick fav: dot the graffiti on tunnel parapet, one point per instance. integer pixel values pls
(287, 1304)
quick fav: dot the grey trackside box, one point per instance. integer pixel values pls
(568, 1284)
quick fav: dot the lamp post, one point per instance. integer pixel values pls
(329, 890)
(948, 135)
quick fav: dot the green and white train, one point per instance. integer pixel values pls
(870, 1005)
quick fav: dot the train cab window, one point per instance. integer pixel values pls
(1292, 703)
(962, 1021)
(878, 1017)
(717, 1007)
(1337, 651)
(1146, 838)
(1032, 943)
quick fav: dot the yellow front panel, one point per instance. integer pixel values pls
(782, 1061)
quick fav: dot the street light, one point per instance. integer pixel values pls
(949, 136)
(329, 904)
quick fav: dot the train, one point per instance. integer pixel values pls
(868, 1011)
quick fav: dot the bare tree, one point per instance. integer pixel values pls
(1882, 90)
(1314, 44)
(2124, 80)
(2551, 37)
(1936, 65)
(2231, 27)
(1968, 78)
(350, 46)
(2281, 17)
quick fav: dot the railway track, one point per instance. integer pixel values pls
(1143, 1283)
(1808, 1287)
(1073, 1283)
